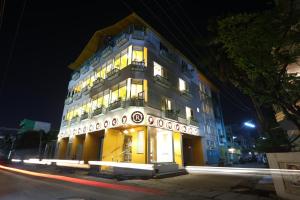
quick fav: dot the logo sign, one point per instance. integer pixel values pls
(98, 126)
(177, 127)
(137, 117)
(150, 120)
(169, 125)
(114, 122)
(91, 127)
(124, 119)
(105, 123)
(160, 123)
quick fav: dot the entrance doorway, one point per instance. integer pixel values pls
(192, 150)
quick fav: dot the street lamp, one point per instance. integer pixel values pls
(249, 124)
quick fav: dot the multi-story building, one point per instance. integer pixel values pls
(133, 97)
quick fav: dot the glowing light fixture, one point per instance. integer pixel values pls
(132, 130)
(125, 131)
(249, 124)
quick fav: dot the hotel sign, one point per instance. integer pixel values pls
(171, 125)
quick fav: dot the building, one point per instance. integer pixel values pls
(133, 97)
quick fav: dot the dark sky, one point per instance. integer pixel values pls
(53, 33)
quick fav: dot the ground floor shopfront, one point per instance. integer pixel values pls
(136, 144)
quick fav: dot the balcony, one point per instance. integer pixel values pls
(138, 34)
(97, 87)
(85, 90)
(136, 102)
(112, 74)
(77, 96)
(107, 51)
(162, 81)
(138, 66)
(171, 114)
(75, 76)
(97, 111)
(68, 100)
(117, 104)
(193, 121)
(84, 116)
(122, 39)
(84, 69)
(168, 56)
(186, 93)
(75, 119)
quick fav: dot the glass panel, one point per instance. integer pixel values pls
(109, 66)
(188, 112)
(136, 88)
(122, 90)
(106, 98)
(114, 94)
(117, 61)
(164, 146)
(140, 142)
(102, 72)
(157, 69)
(182, 85)
(123, 59)
(137, 54)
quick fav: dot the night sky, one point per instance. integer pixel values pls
(53, 33)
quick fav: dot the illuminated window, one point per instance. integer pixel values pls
(136, 88)
(137, 54)
(124, 59)
(160, 147)
(117, 61)
(102, 72)
(166, 104)
(106, 98)
(122, 90)
(114, 94)
(140, 142)
(118, 92)
(109, 66)
(157, 69)
(188, 112)
(182, 85)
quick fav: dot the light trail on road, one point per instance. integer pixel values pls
(85, 182)
(240, 171)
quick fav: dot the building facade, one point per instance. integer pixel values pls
(134, 98)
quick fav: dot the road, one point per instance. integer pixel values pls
(22, 187)
(15, 185)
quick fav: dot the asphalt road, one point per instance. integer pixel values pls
(14, 186)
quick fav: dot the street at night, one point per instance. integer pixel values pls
(160, 99)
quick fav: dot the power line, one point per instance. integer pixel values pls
(12, 48)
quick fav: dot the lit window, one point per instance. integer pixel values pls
(124, 59)
(140, 142)
(117, 61)
(189, 112)
(122, 90)
(198, 110)
(137, 54)
(182, 85)
(157, 69)
(109, 66)
(166, 104)
(114, 94)
(106, 98)
(136, 88)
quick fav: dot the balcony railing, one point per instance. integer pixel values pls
(107, 51)
(162, 81)
(97, 86)
(122, 39)
(77, 96)
(186, 93)
(193, 121)
(113, 74)
(97, 111)
(136, 102)
(68, 100)
(84, 69)
(74, 119)
(115, 105)
(168, 56)
(85, 90)
(138, 34)
(138, 66)
(75, 76)
(84, 116)
(171, 114)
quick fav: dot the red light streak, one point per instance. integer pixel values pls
(85, 182)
